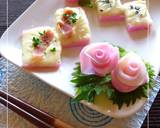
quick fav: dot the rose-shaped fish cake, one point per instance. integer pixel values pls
(130, 73)
(99, 59)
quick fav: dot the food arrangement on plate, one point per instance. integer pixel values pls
(104, 71)
(135, 13)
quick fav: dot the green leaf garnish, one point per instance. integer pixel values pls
(86, 3)
(66, 15)
(41, 34)
(36, 42)
(89, 86)
(73, 18)
(122, 51)
(53, 49)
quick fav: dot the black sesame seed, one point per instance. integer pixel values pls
(131, 6)
(101, 10)
(136, 12)
(107, 1)
(137, 8)
(141, 15)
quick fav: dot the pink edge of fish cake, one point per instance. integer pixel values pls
(72, 1)
(104, 19)
(80, 43)
(33, 66)
(120, 86)
(132, 28)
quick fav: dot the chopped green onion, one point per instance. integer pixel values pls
(73, 18)
(36, 42)
(66, 15)
(41, 34)
(53, 49)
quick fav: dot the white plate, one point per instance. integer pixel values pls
(41, 13)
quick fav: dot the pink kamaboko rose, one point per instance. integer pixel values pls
(99, 59)
(129, 74)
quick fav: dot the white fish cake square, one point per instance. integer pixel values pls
(110, 10)
(137, 16)
(41, 48)
(72, 27)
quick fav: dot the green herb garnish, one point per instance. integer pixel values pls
(66, 15)
(36, 42)
(88, 86)
(73, 18)
(41, 34)
(122, 51)
(53, 49)
(86, 3)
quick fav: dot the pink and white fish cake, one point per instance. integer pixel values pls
(99, 59)
(130, 73)
(110, 10)
(72, 27)
(41, 48)
(137, 16)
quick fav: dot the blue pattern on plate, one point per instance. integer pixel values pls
(88, 116)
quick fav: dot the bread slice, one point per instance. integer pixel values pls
(41, 48)
(72, 28)
(137, 16)
(110, 10)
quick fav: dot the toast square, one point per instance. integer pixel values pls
(41, 48)
(137, 16)
(72, 27)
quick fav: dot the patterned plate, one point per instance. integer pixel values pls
(88, 116)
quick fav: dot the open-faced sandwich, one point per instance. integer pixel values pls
(110, 10)
(72, 27)
(41, 48)
(137, 16)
